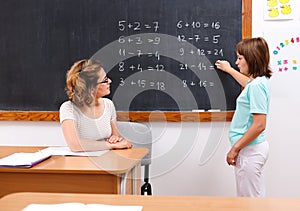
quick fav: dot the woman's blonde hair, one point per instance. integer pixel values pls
(81, 80)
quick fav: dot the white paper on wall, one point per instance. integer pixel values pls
(279, 9)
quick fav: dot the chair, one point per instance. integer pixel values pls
(141, 136)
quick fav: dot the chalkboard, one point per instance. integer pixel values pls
(159, 53)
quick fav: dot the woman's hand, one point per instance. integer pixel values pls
(121, 144)
(114, 139)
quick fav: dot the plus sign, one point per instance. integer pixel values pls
(132, 67)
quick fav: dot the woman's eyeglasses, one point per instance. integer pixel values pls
(105, 80)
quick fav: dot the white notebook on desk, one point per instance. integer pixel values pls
(23, 159)
(65, 151)
(80, 207)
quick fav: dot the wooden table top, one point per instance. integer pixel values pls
(113, 161)
(18, 201)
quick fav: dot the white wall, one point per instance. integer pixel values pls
(176, 174)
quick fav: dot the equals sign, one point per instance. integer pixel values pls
(150, 68)
(152, 83)
(147, 26)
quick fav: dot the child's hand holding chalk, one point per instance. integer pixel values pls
(223, 65)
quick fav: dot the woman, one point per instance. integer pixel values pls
(88, 120)
(249, 151)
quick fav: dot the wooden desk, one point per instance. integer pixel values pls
(115, 172)
(18, 201)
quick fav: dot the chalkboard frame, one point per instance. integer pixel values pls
(153, 116)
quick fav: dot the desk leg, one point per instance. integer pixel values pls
(123, 183)
(134, 180)
(130, 181)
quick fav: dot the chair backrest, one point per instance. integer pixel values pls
(140, 135)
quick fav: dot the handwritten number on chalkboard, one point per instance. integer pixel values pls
(201, 66)
(138, 41)
(156, 26)
(181, 51)
(196, 24)
(216, 25)
(179, 24)
(201, 52)
(122, 82)
(197, 37)
(122, 40)
(156, 40)
(161, 86)
(160, 67)
(137, 26)
(122, 25)
(121, 66)
(181, 38)
(203, 83)
(216, 39)
(219, 52)
(142, 83)
(183, 66)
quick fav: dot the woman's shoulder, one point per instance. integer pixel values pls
(67, 110)
(109, 104)
(67, 105)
